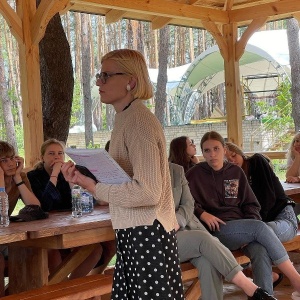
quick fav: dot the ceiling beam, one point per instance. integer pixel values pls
(228, 5)
(283, 7)
(162, 8)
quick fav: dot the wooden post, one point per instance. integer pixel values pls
(30, 85)
(233, 87)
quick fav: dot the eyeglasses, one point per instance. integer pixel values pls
(103, 76)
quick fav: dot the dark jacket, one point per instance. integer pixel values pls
(51, 197)
(266, 187)
(225, 194)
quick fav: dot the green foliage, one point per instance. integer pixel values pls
(103, 116)
(279, 168)
(20, 139)
(278, 115)
(95, 146)
(76, 104)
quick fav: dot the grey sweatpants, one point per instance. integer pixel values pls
(212, 259)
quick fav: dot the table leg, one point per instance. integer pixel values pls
(27, 268)
(70, 263)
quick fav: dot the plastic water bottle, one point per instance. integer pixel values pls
(87, 201)
(4, 205)
(76, 201)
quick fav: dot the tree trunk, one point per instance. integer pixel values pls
(86, 79)
(77, 47)
(6, 104)
(162, 78)
(57, 81)
(192, 46)
(294, 50)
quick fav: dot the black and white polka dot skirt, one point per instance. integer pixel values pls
(147, 265)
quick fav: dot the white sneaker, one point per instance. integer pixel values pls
(296, 295)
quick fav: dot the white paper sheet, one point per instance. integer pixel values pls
(100, 163)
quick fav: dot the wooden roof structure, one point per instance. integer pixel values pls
(220, 17)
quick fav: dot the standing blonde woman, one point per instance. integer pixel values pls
(142, 210)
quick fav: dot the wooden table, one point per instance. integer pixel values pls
(292, 190)
(29, 243)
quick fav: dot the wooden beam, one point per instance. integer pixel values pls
(114, 16)
(297, 17)
(233, 87)
(12, 19)
(30, 86)
(46, 10)
(160, 22)
(217, 34)
(163, 8)
(252, 28)
(283, 7)
(228, 5)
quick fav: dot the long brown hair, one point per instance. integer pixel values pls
(178, 154)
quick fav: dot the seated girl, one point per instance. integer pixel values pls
(226, 204)
(54, 193)
(183, 152)
(17, 186)
(195, 244)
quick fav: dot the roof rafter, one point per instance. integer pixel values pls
(162, 8)
(284, 8)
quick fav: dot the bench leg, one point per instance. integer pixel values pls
(193, 292)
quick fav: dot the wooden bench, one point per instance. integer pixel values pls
(76, 289)
(100, 285)
(190, 273)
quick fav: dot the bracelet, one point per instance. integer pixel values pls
(20, 183)
(53, 176)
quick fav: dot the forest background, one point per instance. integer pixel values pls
(89, 38)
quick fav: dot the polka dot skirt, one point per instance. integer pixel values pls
(147, 265)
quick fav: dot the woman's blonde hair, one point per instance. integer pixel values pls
(133, 63)
(236, 149)
(44, 147)
(290, 153)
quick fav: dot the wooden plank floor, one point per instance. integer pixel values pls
(282, 292)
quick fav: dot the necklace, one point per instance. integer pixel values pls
(129, 104)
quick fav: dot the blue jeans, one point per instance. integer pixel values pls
(238, 233)
(261, 266)
(263, 247)
(285, 224)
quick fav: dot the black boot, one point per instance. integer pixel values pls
(260, 294)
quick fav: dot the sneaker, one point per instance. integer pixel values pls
(296, 296)
(260, 294)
